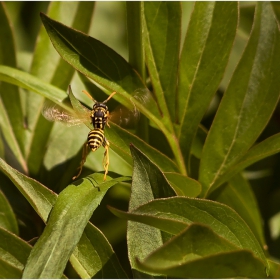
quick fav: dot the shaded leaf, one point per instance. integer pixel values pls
(239, 196)
(7, 217)
(11, 113)
(14, 254)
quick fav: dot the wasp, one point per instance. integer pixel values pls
(98, 117)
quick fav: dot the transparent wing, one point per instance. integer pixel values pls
(129, 117)
(56, 113)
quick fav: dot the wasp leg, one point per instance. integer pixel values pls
(106, 158)
(84, 157)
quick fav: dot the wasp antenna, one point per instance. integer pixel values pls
(84, 91)
(111, 95)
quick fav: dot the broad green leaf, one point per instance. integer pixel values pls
(239, 196)
(11, 113)
(96, 61)
(148, 183)
(238, 264)
(72, 210)
(204, 57)
(42, 200)
(48, 66)
(264, 149)
(7, 217)
(183, 185)
(248, 102)
(13, 255)
(174, 214)
(180, 256)
(162, 30)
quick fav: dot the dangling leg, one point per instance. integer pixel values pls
(106, 158)
(84, 157)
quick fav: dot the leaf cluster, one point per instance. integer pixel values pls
(182, 202)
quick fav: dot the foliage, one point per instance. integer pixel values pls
(192, 190)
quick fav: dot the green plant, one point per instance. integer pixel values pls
(178, 177)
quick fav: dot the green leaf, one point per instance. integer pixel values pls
(175, 214)
(188, 254)
(42, 200)
(72, 210)
(7, 218)
(11, 113)
(100, 260)
(134, 37)
(275, 269)
(276, 9)
(183, 185)
(239, 264)
(248, 102)
(39, 197)
(264, 149)
(148, 182)
(120, 139)
(162, 27)
(102, 65)
(30, 82)
(13, 255)
(204, 57)
(239, 196)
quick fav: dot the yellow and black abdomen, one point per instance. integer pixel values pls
(96, 138)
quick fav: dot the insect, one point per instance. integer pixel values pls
(98, 117)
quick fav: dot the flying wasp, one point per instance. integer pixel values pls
(98, 117)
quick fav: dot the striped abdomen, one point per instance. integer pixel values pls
(95, 138)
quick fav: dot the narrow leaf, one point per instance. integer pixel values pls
(239, 196)
(204, 57)
(162, 23)
(264, 149)
(248, 102)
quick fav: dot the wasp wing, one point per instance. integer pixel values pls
(56, 113)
